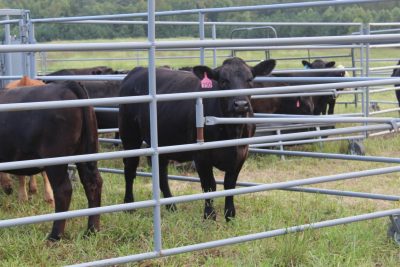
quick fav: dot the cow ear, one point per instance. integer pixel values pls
(200, 70)
(306, 64)
(263, 68)
(330, 64)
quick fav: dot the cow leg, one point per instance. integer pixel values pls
(331, 108)
(398, 95)
(208, 184)
(22, 194)
(230, 180)
(48, 191)
(130, 136)
(324, 108)
(130, 166)
(32, 185)
(6, 183)
(164, 186)
(62, 188)
(92, 183)
(230, 183)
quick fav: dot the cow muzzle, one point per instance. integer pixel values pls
(241, 106)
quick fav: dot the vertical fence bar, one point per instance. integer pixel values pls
(7, 56)
(367, 73)
(278, 132)
(214, 37)
(153, 128)
(22, 39)
(31, 40)
(202, 36)
(353, 65)
(362, 66)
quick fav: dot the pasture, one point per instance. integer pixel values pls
(357, 244)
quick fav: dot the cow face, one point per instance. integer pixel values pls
(234, 73)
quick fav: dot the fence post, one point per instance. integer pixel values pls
(7, 56)
(202, 36)
(153, 128)
(214, 37)
(367, 72)
(31, 40)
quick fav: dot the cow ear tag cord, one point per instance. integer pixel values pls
(206, 82)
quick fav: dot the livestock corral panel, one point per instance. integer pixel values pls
(204, 114)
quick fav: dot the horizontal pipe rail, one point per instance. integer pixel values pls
(187, 147)
(240, 239)
(295, 189)
(349, 39)
(216, 23)
(308, 141)
(195, 197)
(326, 155)
(191, 95)
(210, 120)
(210, 10)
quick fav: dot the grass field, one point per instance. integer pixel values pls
(357, 244)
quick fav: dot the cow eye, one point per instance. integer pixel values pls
(224, 83)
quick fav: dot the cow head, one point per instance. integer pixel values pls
(234, 73)
(396, 72)
(101, 70)
(320, 64)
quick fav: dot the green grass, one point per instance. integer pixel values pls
(357, 244)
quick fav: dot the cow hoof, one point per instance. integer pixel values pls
(171, 207)
(229, 215)
(8, 190)
(129, 200)
(210, 214)
(32, 191)
(50, 202)
(52, 239)
(89, 232)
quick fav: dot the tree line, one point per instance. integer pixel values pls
(383, 11)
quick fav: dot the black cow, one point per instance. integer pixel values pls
(176, 123)
(98, 89)
(321, 103)
(396, 73)
(103, 89)
(98, 70)
(301, 105)
(47, 133)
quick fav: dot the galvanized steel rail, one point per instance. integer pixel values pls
(151, 45)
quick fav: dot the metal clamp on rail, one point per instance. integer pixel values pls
(210, 120)
(394, 124)
(335, 94)
(199, 120)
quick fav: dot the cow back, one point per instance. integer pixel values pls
(24, 81)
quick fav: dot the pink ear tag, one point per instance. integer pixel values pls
(297, 103)
(206, 82)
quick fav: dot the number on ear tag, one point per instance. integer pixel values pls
(206, 82)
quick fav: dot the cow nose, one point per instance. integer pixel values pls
(241, 106)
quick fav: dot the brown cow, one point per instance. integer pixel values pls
(45, 133)
(22, 192)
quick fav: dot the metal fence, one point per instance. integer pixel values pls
(374, 124)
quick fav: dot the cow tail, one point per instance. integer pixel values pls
(89, 136)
